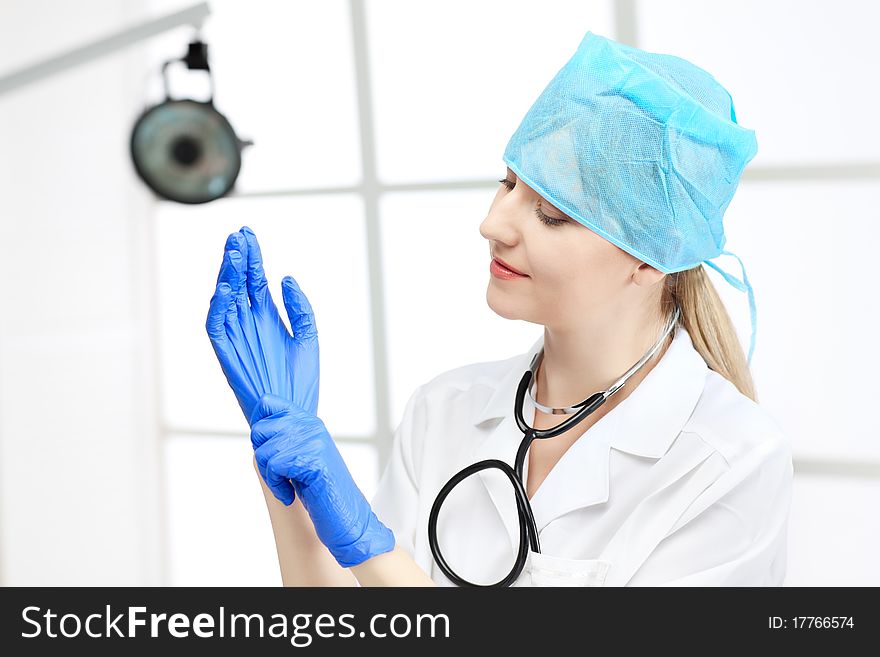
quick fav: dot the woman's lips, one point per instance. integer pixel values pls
(508, 266)
(499, 270)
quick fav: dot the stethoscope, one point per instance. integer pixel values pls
(527, 527)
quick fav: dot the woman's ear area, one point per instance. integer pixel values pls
(646, 275)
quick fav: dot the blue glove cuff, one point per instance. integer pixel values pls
(376, 539)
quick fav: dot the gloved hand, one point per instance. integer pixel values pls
(256, 352)
(296, 456)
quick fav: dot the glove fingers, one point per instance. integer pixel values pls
(233, 328)
(230, 362)
(228, 273)
(273, 416)
(267, 321)
(306, 362)
(237, 242)
(215, 325)
(267, 406)
(251, 347)
(257, 285)
(221, 300)
(234, 272)
(284, 492)
(235, 336)
(265, 429)
(299, 311)
(274, 477)
(237, 312)
(280, 485)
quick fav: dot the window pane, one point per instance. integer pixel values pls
(803, 91)
(437, 275)
(833, 537)
(284, 77)
(452, 80)
(807, 248)
(319, 240)
(219, 528)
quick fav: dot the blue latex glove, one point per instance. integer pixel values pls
(296, 456)
(257, 353)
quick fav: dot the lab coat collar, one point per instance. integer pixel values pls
(645, 424)
(655, 411)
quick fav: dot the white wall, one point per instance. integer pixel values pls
(79, 487)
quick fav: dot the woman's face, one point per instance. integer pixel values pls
(571, 269)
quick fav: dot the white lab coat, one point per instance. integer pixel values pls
(687, 482)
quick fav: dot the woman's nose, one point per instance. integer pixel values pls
(496, 229)
(501, 222)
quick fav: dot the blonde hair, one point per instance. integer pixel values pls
(705, 318)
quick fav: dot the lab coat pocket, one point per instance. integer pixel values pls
(546, 570)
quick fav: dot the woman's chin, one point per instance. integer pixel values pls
(503, 305)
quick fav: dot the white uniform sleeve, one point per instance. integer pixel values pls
(396, 500)
(735, 532)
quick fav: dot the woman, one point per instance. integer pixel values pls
(616, 184)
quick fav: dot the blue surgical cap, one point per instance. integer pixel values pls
(642, 148)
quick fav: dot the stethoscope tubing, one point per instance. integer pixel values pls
(528, 530)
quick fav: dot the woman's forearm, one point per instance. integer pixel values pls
(395, 568)
(303, 559)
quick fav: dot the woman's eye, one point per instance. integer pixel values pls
(550, 221)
